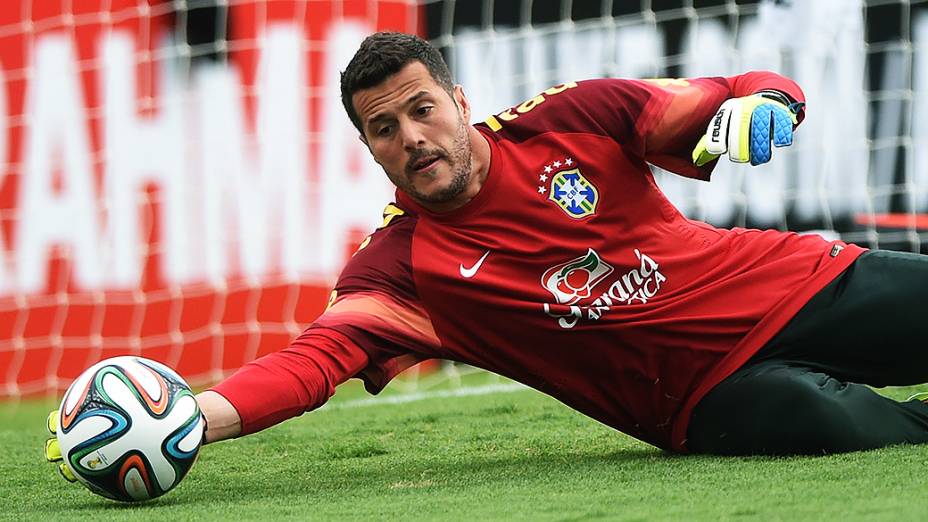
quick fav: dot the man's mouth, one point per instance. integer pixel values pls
(425, 164)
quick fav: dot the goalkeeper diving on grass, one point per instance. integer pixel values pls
(535, 244)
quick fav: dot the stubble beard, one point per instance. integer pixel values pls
(459, 158)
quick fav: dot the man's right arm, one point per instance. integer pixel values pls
(374, 328)
(281, 385)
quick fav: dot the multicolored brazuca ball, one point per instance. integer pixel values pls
(129, 428)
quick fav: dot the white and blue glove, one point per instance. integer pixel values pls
(745, 128)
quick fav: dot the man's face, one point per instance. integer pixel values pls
(418, 134)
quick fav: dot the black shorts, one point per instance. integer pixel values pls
(808, 391)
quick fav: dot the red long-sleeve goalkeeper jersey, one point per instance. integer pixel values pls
(569, 271)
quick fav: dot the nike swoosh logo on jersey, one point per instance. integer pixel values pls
(472, 271)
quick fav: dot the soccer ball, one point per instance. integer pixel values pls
(129, 428)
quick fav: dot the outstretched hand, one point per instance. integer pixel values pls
(745, 128)
(53, 450)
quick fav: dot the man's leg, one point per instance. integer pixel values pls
(798, 394)
(870, 325)
(774, 408)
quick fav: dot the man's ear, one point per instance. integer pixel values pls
(461, 100)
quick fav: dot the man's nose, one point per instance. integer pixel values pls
(412, 136)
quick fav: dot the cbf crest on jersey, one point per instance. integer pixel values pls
(573, 193)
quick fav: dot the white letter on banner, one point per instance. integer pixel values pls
(639, 50)
(137, 151)
(537, 52)
(347, 198)
(889, 115)
(254, 204)
(717, 199)
(477, 57)
(826, 40)
(283, 117)
(5, 277)
(227, 160)
(917, 168)
(56, 139)
(764, 185)
(571, 45)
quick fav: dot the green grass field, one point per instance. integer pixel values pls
(503, 456)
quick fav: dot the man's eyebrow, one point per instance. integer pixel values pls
(409, 101)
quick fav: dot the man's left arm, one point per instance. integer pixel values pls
(687, 124)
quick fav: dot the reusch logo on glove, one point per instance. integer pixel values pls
(717, 125)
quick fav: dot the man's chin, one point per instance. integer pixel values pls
(433, 197)
(432, 190)
(435, 190)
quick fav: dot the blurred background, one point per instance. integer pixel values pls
(179, 180)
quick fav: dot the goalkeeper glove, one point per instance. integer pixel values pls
(744, 128)
(53, 450)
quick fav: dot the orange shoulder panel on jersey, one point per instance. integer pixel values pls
(675, 118)
(395, 335)
(375, 303)
(400, 322)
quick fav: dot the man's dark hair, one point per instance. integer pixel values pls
(382, 55)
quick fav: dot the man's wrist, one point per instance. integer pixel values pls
(221, 419)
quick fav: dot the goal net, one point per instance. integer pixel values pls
(180, 182)
(856, 170)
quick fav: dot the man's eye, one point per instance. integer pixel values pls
(425, 109)
(384, 131)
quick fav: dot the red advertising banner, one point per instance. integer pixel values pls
(187, 202)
